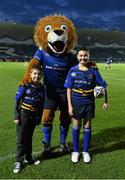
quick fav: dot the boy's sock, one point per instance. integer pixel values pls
(47, 133)
(75, 138)
(87, 138)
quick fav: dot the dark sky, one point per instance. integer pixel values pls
(105, 14)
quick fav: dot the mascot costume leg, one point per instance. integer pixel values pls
(55, 37)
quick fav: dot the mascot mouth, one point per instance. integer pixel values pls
(57, 47)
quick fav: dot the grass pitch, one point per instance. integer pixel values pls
(108, 140)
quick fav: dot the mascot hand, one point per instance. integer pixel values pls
(92, 64)
(27, 79)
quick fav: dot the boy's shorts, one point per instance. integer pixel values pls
(81, 111)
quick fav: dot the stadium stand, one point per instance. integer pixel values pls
(18, 46)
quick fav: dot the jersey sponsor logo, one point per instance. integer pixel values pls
(73, 74)
(55, 68)
(28, 91)
(82, 82)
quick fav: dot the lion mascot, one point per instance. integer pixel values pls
(55, 37)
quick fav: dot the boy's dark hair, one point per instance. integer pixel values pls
(36, 66)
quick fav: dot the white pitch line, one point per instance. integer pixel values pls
(10, 156)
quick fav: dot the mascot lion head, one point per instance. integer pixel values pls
(56, 33)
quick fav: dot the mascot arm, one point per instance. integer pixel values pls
(92, 64)
(27, 79)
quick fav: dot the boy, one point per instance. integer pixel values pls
(80, 83)
(28, 108)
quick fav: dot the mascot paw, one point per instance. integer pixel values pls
(27, 79)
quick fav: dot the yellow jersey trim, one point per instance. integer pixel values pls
(83, 92)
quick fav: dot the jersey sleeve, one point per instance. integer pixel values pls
(99, 80)
(69, 80)
(20, 92)
(18, 98)
(39, 55)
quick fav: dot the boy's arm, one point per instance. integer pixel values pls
(18, 98)
(17, 110)
(100, 81)
(69, 98)
(68, 85)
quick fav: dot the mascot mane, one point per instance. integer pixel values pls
(55, 32)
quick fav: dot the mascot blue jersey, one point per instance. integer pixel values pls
(55, 68)
(83, 83)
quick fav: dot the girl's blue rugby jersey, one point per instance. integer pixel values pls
(83, 83)
(55, 68)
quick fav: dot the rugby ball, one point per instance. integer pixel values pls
(99, 92)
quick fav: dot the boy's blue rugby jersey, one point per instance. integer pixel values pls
(29, 97)
(55, 68)
(83, 83)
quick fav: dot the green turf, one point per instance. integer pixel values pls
(108, 140)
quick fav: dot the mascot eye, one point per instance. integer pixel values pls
(48, 28)
(64, 27)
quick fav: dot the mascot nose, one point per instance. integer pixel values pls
(59, 32)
